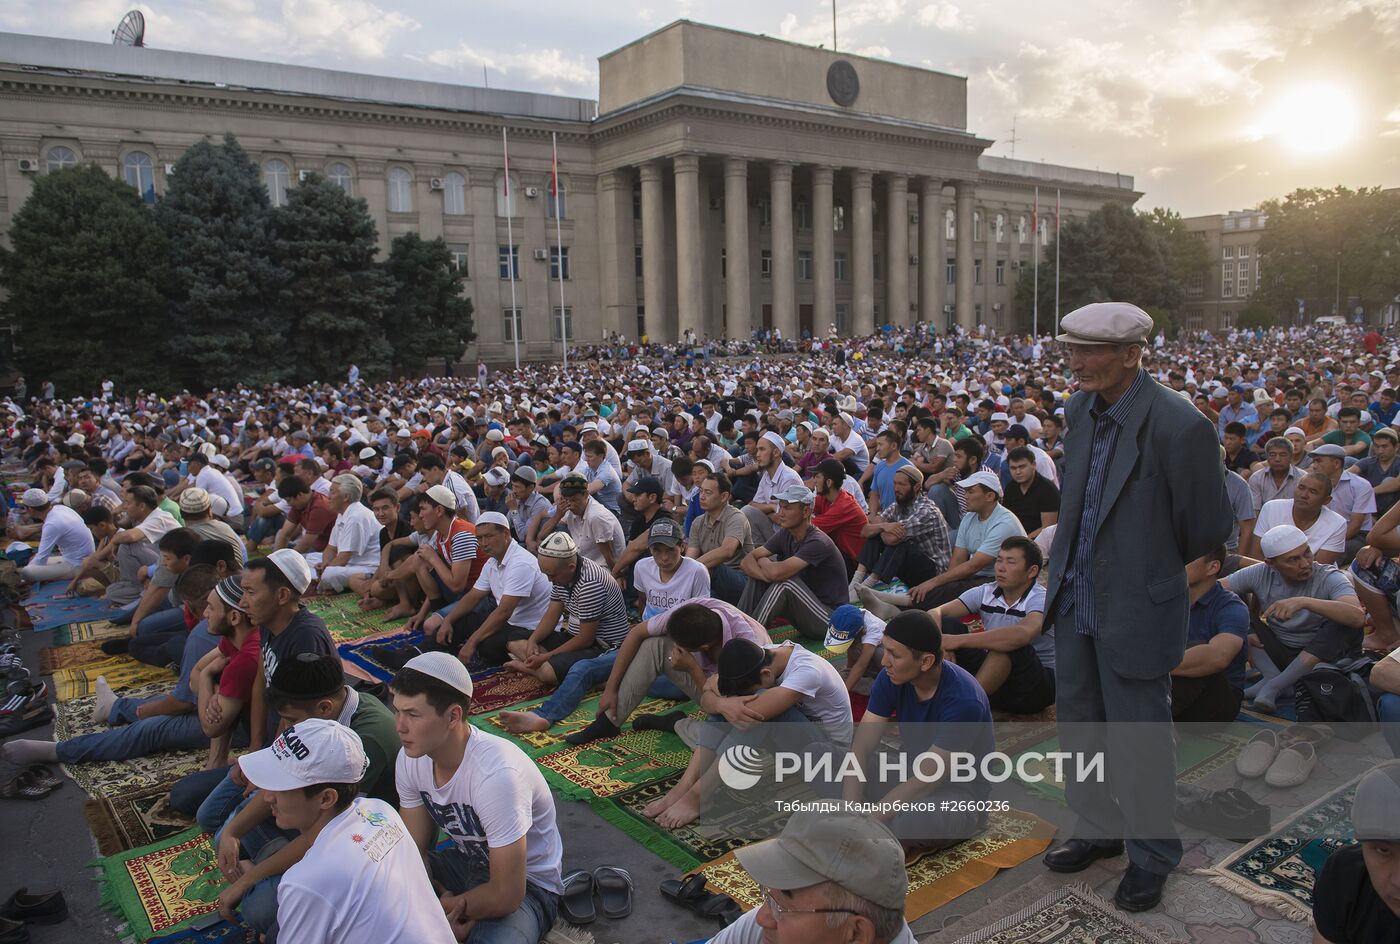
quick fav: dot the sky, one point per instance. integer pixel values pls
(1212, 105)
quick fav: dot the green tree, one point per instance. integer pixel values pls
(1190, 260)
(217, 220)
(427, 318)
(83, 275)
(1257, 314)
(335, 294)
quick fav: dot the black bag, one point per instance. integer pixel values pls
(1338, 693)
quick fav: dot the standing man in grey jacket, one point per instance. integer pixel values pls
(1143, 494)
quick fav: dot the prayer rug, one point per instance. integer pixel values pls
(135, 819)
(346, 621)
(162, 887)
(935, 878)
(49, 608)
(1197, 756)
(1277, 870)
(87, 631)
(603, 768)
(538, 743)
(362, 653)
(494, 689)
(52, 658)
(1071, 913)
(113, 778)
(221, 933)
(120, 671)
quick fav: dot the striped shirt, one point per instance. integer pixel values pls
(594, 596)
(1079, 575)
(460, 543)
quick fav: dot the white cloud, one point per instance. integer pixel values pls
(943, 16)
(875, 52)
(543, 68)
(1157, 173)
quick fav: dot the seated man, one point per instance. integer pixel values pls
(1352, 496)
(353, 547)
(99, 575)
(384, 505)
(1307, 613)
(720, 538)
(166, 619)
(595, 530)
(1325, 529)
(856, 634)
(308, 526)
(668, 577)
(701, 628)
(837, 513)
(941, 709)
(198, 514)
(1030, 496)
(907, 540)
(1013, 657)
(358, 878)
(774, 478)
(446, 564)
(501, 874)
(644, 495)
(798, 574)
(1208, 685)
(1354, 896)
(795, 698)
(64, 541)
(268, 512)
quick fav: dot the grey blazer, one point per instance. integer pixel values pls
(1164, 503)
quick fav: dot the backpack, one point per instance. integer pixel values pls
(1338, 693)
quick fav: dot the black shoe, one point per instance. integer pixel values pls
(13, 932)
(117, 646)
(666, 722)
(601, 727)
(1076, 855)
(1230, 814)
(1139, 890)
(394, 658)
(43, 908)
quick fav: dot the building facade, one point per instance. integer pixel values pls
(1237, 270)
(722, 182)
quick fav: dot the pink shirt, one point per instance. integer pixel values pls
(735, 622)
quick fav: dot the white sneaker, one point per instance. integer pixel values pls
(1258, 755)
(1292, 766)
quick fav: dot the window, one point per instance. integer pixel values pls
(400, 190)
(637, 202)
(512, 330)
(454, 195)
(977, 225)
(561, 319)
(950, 271)
(1227, 281)
(802, 214)
(1242, 269)
(637, 260)
(276, 177)
(1021, 230)
(765, 213)
(804, 264)
(765, 264)
(838, 218)
(1229, 252)
(139, 172)
(977, 313)
(508, 261)
(840, 260)
(507, 206)
(950, 224)
(459, 260)
(976, 271)
(843, 318)
(556, 205)
(558, 262)
(1001, 272)
(1243, 252)
(949, 313)
(60, 157)
(339, 174)
(724, 263)
(999, 233)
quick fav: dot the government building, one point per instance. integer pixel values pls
(721, 183)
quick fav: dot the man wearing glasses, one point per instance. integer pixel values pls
(811, 896)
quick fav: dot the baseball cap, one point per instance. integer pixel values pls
(293, 566)
(219, 460)
(263, 465)
(34, 498)
(984, 478)
(445, 667)
(797, 495)
(844, 626)
(444, 496)
(1281, 539)
(665, 531)
(855, 852)
(646, 484)
(497, 476)
(194, 501)
(1328, 450)
(558, 545)
(1373, 811)
(313, 751)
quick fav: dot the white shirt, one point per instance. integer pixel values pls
(321, 485)
(213, 481)
(466, 498)
(495, 796)
(361, 882)
(63, 532)
(517, 575)
(691, 580)
(357, 531)
(597, 526)
(747, 930)
(860, 453)
(770, 486)
(824, 697)
(1328, 533)
(157, 525)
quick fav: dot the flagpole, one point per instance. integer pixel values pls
(559, 243)
(1035, 265)
(511, 254)
(1057, 260)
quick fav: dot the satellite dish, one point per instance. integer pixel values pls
(131, 31)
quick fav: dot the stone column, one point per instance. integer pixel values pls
(738, 320)
(863, 251)
(784, 265)
(427, 202)
(371, 184)
(930, 261)
(687, 171)
(897, 250)
(966, 304)
(615, 238)
(823, 253)
(654, 254)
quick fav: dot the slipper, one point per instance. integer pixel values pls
(614, 886)
(1258, 755)
(25, 787)
(684, 891)
(576, 904)
(44, 777)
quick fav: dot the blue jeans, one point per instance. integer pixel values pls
(124, 615)
(169, 620)
(587, 675)
(526, 925)
(189, 792)
(728, 583)
(260, 529)
(136, 737)
(1388, 711)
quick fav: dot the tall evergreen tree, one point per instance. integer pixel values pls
(83, 277)
(427, 318)
(335, 294)
(216, 217)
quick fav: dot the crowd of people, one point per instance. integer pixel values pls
(931, 508)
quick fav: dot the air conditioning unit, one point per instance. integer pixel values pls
(435, 183)
(532, 192)
(541, 255)
(913, 260)
(170, 170)
(28, 165)
(303, 174)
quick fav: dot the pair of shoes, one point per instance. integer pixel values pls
(1076, 855)
(43, 908)
(599, 728)
(13, 932)
(610, 884)
(1282, 761)
(1139, 890)
(1231, 814)
(29, 786)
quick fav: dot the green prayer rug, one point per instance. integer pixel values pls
(164, 886)
(346, 621)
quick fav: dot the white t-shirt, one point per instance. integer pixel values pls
(691, 580)
(518, 575)
(357, 531)
(824, 696)
(361, 882)
(496, 795)
(321, 485)
(874, 633)
(770, 486)
(597, 526)
(466, 498)
(64, 533)
(747, 930)
(860, 453)
(157, 525)
(214, 482)
(1328, 533)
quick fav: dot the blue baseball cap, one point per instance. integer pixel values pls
(847, 622)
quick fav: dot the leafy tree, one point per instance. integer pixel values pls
(217, 220)
(1190, 259)
(83, 277)
(1257, 314)
(335, 294)
(427, 317)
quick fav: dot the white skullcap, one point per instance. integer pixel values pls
(1281, 539)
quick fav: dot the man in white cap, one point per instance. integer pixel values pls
(363, 879)
(1309, 613)
(64, 541)
(825, 879)
(1143, 493)
(448, 561)
(774, 476)
(353, 547)
(501, 874)
(1356, 897)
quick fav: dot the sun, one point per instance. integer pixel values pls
(1316, 118)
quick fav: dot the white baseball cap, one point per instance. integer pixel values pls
(984, 478)
(313, 751)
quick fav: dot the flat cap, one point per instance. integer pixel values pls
(1105, 323)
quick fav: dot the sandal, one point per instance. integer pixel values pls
(614, 885)
(576, 904)
(24, 787)
(683, 891)
(44, 777)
